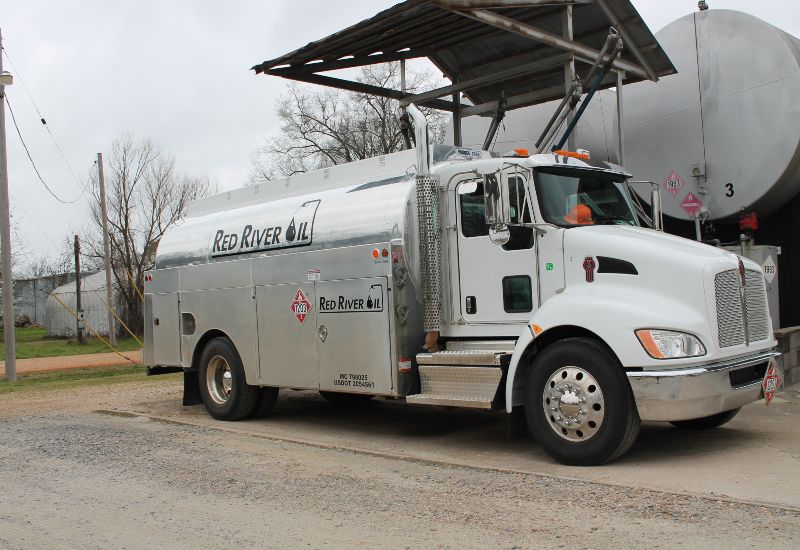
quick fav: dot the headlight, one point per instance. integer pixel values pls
(668, 344)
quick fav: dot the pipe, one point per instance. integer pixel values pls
(603, 69)
(498, 117)
(550, 39)
(655, 207)
(420, 140)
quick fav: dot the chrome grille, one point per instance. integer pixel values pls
(730, 322)
(756, 303)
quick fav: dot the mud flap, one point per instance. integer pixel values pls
(191, 391)
(517, 424)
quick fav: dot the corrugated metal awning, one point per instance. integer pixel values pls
(485, 47)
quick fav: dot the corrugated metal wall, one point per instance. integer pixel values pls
(59, 321)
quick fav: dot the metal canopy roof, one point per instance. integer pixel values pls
(485, 47)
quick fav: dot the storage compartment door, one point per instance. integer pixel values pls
(287, 335)
(166, 331)
(353, 336)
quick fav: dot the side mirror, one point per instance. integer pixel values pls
(497, 207)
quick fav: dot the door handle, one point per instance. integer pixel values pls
(322, 332)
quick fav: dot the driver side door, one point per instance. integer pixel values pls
(497, 283)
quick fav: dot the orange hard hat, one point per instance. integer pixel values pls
(579, 215)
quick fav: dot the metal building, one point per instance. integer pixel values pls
(59, 321)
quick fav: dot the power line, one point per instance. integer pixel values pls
(59, 199)
(33, 220)
(44, 123)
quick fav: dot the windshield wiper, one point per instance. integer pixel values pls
(608, 220)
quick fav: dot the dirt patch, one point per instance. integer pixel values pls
(43, 364)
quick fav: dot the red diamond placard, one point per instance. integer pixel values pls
(301, 307)
(673, 183)
(771, 381)
(691, 204)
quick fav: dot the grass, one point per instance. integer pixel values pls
(33, 342)
(65, 379)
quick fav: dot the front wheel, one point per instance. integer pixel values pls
(225, 392)
(707, 422)
(578, 403)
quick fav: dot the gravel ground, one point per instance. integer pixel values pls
(74, 478)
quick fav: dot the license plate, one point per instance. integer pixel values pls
(771, 382)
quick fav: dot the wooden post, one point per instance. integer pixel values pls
(9, 337)
(112, 333)
(78, 309)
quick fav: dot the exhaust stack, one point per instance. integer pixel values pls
(429, 231)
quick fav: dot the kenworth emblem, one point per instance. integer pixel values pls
(589, 265)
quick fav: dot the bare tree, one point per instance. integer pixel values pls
(19, 253)
(145, 195)
(324, 127)
(58, 267)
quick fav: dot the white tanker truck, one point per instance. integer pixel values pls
(451, 276)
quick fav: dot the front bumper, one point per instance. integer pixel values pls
(696, 392)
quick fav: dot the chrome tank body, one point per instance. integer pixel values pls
(365, 202)
(353, 215)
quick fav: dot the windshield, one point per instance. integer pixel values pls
(581, 197)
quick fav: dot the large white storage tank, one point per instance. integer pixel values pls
(728, 124)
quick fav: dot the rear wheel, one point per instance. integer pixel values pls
(707, 422)
(578, 403)
(225, 392)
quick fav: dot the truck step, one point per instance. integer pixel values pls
(472, 387)
(465, 358)
(505, 346)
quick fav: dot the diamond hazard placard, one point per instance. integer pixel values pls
(691, 204)
(771, 381)
(673, 183)
(769, 269)
(301, 307)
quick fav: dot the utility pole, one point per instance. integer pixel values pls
(112, 333)
(5, 247)
(78, 309)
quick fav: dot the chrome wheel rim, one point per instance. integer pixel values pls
(219, 379)
(573, 404)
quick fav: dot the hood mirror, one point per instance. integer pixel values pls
(499, 234)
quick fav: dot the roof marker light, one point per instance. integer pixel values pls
(582, 155)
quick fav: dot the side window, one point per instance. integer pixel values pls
(517, 294)
(473, 218)
(473, 215)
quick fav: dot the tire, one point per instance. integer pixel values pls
(707, 422)
(223, 387)
(578, 403)
(267, 396)
(345, 399)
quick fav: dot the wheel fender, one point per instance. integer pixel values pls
(612, 316)
(524, 340)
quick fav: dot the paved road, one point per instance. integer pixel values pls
(387, 475)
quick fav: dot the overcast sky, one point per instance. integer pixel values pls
(177, 72)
